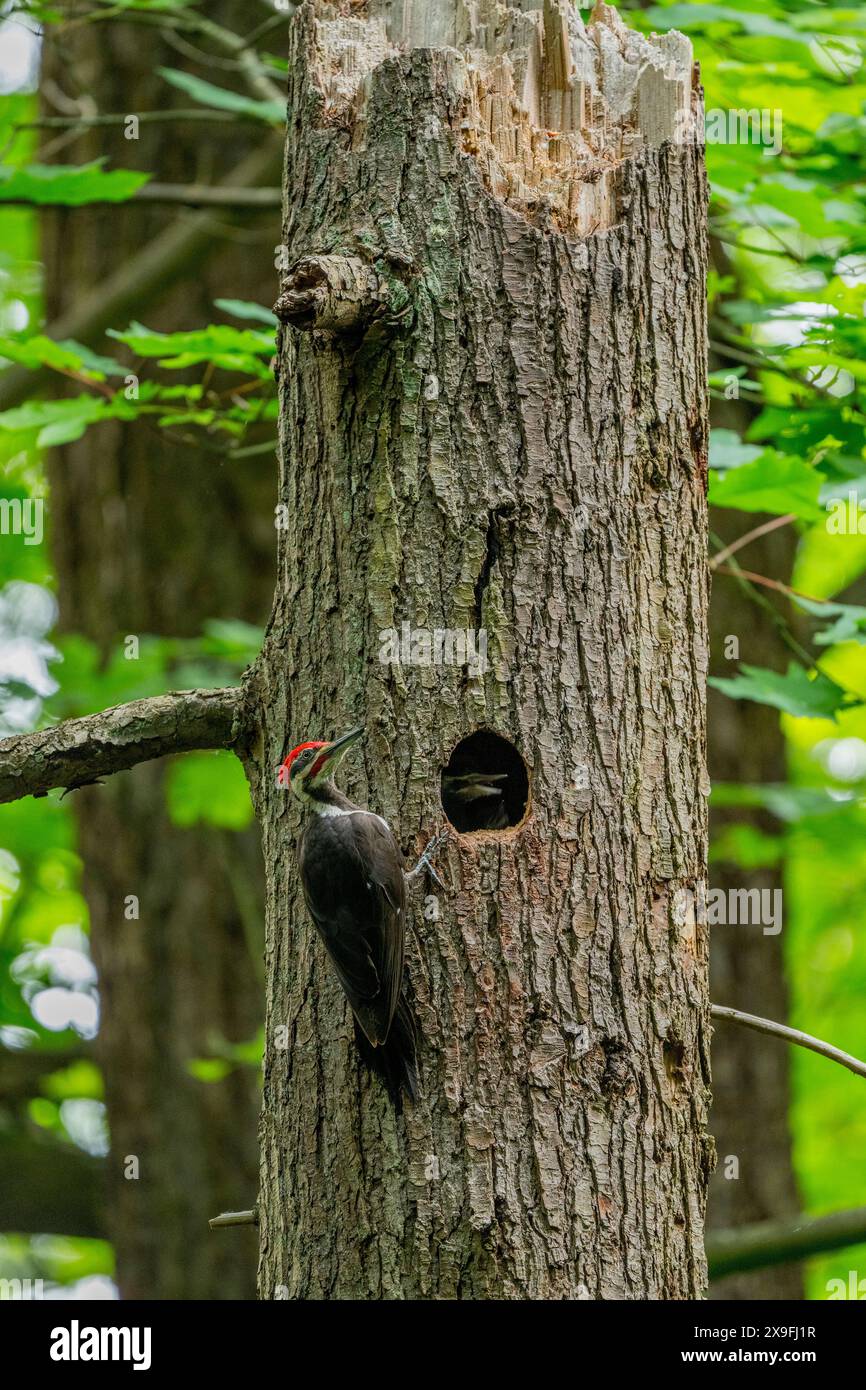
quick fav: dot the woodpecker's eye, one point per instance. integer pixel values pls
(301, 761)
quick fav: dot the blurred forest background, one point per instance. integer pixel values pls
(139, 216)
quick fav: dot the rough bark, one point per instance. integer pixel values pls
(154, 536)
(523, 452)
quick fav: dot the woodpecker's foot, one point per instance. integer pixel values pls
(425, 863)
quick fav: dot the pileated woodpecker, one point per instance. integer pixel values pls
(355, 890)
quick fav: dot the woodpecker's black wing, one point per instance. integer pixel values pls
(352, 876)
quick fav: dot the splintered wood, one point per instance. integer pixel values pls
(550, 106)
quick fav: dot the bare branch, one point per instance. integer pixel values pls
(188, 194)
(205, 195)
(782, 1242)
(791, 1035)
(750, 536)
(737, 573)
(249, 62)
(79, 752)
(234, 1218)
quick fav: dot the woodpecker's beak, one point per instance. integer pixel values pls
(334, 753)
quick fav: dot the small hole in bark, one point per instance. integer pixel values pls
(674, 1058)
(485, 786)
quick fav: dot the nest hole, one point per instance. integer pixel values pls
(485, 785)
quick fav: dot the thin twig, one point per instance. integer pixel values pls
(741, 245)
(750, 536)
(204, 195)
(187, 195)
(193, 22)
(754, 595)
(791, 1035)
(198, 55)
(763, 362)
(251, 450)
(274, 22)
(169, 113)
(766, 582)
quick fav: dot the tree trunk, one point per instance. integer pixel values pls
(151, 536)
(494, 419)
(751, 1092)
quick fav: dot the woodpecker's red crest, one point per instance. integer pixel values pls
(312, 763)
(296, 753)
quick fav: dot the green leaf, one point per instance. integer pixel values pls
(69, 185)
(222, 99)
(775, 483)
(79, 1081)
(41, 913)
(727, 449)
(785, 802)
(209, 1069)
(801, 693)
(228, 1055)
(243, 309)
(58, 422)
(10, 876)
(94, 362)
(29, 827)
(40, 351)
(45, 1113)
(245, 350)
(747, 847)
(850, 624)
(87, 685)
(226, 361)
(205, 418)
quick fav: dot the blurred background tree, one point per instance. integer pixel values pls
(786, 306)
(155, 535)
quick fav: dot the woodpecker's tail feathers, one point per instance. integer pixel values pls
(395, 1061)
